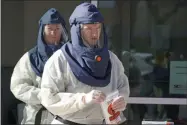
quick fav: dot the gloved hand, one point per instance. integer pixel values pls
(119, 104)
(95, 96)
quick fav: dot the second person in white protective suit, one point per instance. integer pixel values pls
(78, 77)
(26, 77)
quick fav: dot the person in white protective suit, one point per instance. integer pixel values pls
(26, 77)
(78, 77)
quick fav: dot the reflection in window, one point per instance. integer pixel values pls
(157, 38)
(147, 36)
(156, 42)
(107, 4)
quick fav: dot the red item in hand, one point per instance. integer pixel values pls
(113, 114)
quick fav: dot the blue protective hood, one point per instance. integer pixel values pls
(41, 52)
(81, 58)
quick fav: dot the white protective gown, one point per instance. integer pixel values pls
(24, 86)
(61, 92)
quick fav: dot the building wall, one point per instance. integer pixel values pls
(12, 43)
(20, 25)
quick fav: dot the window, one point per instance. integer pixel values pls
(149, 37)
(106, 4)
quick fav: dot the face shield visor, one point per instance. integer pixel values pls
(92, 35)
(54, 33)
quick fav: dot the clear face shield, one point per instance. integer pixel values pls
(92, 35)
(54, 33)
(64, 36)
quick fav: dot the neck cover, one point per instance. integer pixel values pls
(81, 58)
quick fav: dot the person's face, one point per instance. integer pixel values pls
(52, 33)
(91, 34)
